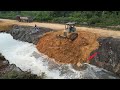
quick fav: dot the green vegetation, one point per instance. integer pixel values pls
(20, 75)
(87, 18)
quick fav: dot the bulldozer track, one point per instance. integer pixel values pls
(73, 36)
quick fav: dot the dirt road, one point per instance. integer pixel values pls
(101, 32)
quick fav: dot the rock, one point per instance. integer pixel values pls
(109, 55)
(79, 64)
(17, 69)
(13, 67)
(6, 62)
(100, 74)
(2, 57)
(11, 71)
(36, 55)
(28, 34)
(79, 68)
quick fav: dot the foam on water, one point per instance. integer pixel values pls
(22, 54)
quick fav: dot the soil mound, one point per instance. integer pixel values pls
(66, 51)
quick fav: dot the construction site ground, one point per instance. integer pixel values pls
(65, 51)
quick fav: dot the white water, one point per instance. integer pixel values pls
(27, 58)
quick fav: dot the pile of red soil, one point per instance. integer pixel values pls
(68, 52)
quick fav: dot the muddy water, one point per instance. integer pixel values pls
(27, 58)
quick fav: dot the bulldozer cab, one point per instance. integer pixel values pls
(70, 27)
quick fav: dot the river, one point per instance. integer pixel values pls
(25, 56)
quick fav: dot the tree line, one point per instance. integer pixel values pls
(95, 18)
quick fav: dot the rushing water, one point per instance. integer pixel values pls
(27, 58)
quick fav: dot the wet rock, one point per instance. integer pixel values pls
(79, 68)
(3, 62)
(109, 55)
(5, 67)
(13, 67)
(28, 34)
(2, 57)
(35, 54)
(17, 69)
(6, 62)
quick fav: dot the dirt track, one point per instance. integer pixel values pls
(102, 32)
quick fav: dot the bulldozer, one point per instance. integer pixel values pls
(69, 31)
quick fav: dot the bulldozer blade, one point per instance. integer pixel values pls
(73, 36)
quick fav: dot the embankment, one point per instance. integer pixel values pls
(108, 56)
(27, 33)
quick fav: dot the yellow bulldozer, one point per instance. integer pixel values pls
(69, 32)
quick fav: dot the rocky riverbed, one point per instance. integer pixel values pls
(109, 48)
(11, 71)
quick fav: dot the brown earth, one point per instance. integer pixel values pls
(66, 51)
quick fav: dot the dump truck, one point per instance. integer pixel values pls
(24, 19)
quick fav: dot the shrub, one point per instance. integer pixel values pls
(21, 75)
(94, 20)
